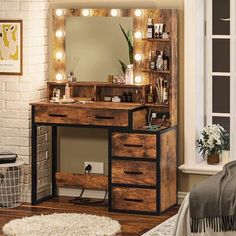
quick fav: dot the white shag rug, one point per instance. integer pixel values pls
(62, 224)
(164, 229)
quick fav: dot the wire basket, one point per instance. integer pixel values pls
(11, 184)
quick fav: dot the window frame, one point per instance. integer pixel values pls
(194, 87)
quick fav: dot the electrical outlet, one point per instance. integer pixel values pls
(97, 167)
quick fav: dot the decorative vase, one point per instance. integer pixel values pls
(225, 156)
(213, 159)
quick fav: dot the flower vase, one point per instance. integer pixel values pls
(225, 156)
(213, 159)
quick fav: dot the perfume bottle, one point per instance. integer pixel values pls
(67, 91)
(137, 96)
(160, 62)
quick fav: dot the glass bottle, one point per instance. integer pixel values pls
(160, 62)
(129, 74)
(165, 61)
(150, 95)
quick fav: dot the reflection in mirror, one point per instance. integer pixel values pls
(94, 45)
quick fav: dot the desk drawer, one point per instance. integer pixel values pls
(134, 172)
(134, 145)
(73, 115)
(134, 199)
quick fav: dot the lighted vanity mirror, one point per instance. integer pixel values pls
(94, 45)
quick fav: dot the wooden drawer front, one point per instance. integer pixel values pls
(72, 115)
(134, 145)
(134, 172)
(46, 114)
(105, 117)
(134, 199)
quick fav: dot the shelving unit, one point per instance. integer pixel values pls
(97, 90)
(144, 45)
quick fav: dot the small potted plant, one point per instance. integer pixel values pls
(211, 143)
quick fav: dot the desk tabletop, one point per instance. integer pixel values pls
(92, 105)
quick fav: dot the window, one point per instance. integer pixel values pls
(217, 64)
(220, 90)
(210, 75)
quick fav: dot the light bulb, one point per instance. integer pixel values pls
(114, 12)
(86, 12)
(138, 35)
(59, 55)
(138, 79)
(138, 12)
(138, 57)
(59, 76)
(59, 12)
(59, 33)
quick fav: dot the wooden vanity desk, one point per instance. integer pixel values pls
(142, 164)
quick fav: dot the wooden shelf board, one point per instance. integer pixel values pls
(157, 105)
(97, 84)
(156, 40)
(155, 71)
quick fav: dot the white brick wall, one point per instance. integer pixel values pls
(16, 92)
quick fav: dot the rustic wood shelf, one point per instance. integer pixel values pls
(156, 71)
(156, 105)
(156, 40)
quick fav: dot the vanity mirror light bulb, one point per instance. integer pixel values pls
(138, 12)
(114, 12)
(138, 35)
(59, 76)
(86, 12)
(59, 55)
(138, 79)
(138, 57)
(59, 12)
(59, 34)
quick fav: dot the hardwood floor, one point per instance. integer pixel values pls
(132, 225)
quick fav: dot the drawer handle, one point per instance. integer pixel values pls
(133, 172)
(105, 117)
(133, 145)
(133, 200)
(57, 115)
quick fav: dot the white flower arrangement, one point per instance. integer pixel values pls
(212, 140)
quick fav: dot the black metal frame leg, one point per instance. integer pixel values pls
(54, 161)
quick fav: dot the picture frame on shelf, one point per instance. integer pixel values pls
(11, 53)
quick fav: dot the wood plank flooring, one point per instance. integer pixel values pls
(132, 225)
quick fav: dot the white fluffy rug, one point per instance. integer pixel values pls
(62, 225)
(164, 229)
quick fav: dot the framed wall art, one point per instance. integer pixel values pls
(11, 47)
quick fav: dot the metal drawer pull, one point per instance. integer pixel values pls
(133, 200)
(57, 115)
(134, 172)
(133, 145)
(105, 117)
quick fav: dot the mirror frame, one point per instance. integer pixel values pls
(140, 45)
(59, 24)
